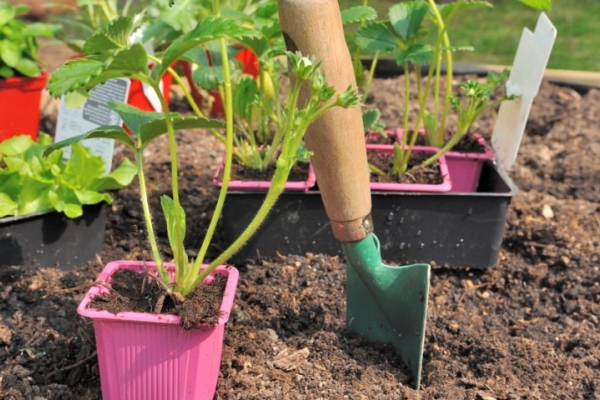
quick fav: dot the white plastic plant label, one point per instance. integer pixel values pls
(93, 114)
(524, 81)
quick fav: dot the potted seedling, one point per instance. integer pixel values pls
(21, 77)
(84, 18)
(51, 210)
(407, 34)
(202, 67)
(460, 229)
(136, 348)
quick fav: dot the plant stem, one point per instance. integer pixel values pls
(180, 257)
(228, 157)
(148, 216)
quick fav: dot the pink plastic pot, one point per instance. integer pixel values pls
(263, 186)
(465, 168)
(20, 106)
(445, 186)
(147, 356)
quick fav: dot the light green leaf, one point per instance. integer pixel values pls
(375, 36)
(406, 18)
(28, 67)
(540, 5)
(120, 177)
(15, 145)
(10, 52)
(7, 13)
(176, 236)
(39, 29)
(7, 205)
(81, 166)
(358, 14)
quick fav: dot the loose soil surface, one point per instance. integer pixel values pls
(525, 329)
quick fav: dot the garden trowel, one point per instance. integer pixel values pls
(384, 303)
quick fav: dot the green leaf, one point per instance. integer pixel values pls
(15, 145)
(122, 176)
(358, 14)
(81, 166)
(28, 67)
(133, 117)
(417, 54)
(33, 196)
(375, 36)
(406, 18)
(7, 13)
(210, 28)
(176, 236)
(73, 75)
(113, 37)
(155, 128)
(10, 52)
(39, 29)
(540, 5)
(7, 205)
(208, 77)
(131, 60)
(370, 118)
(103, 132)
(244, 94)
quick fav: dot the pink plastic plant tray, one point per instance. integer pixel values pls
(464, 168)
(445, 186)
(150, 357)
(263, 186)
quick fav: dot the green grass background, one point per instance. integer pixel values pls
(495, 32)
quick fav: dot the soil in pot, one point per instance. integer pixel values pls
(132, 291)
(239, 172)
(415, 173)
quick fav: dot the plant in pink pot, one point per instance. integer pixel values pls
(417, 32)
(161, 349)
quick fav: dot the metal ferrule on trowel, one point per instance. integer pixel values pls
(384, 303)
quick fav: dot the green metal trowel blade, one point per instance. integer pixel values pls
(387, 303)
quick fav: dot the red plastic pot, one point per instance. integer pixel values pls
(149, 356)
(20, 106)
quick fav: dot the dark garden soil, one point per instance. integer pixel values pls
(526, 329)
(416, 173)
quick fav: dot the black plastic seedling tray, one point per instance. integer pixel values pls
(454, 229)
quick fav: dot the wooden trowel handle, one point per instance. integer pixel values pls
(314, 27)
